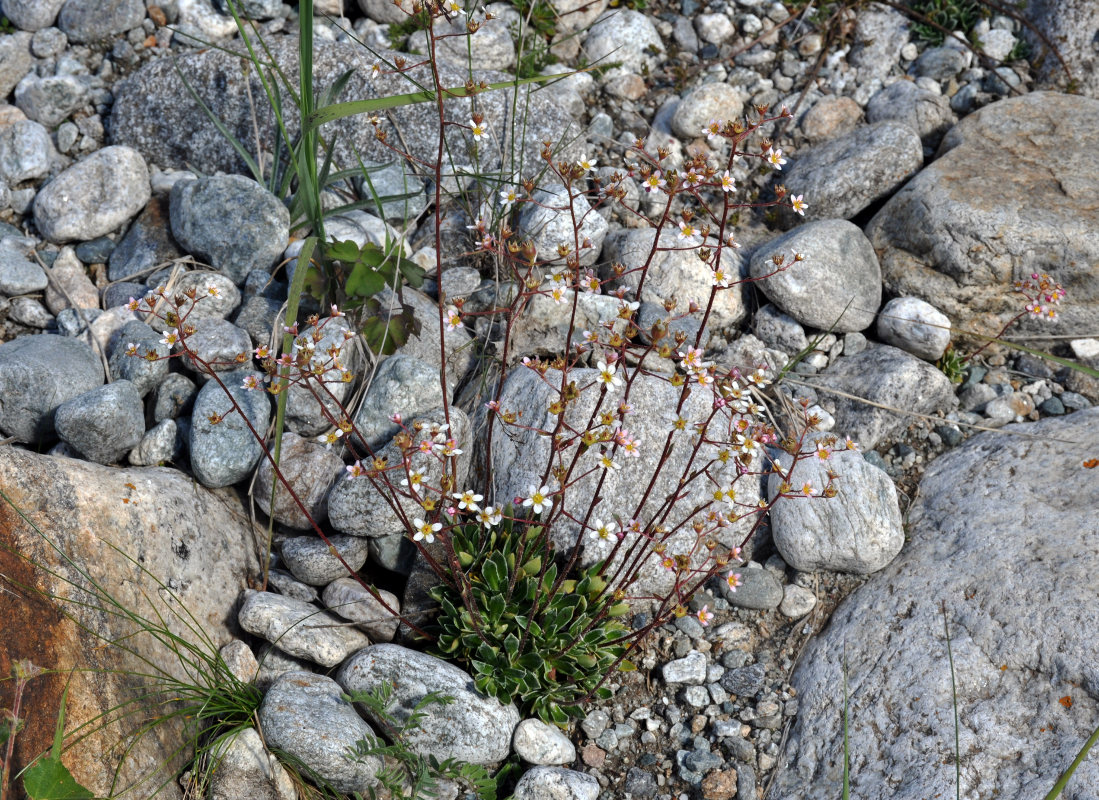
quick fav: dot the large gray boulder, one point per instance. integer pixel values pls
(1002, 551)
(223, 447)
(1070, 26)
(38, 374)
(472, 728)
(943, 240)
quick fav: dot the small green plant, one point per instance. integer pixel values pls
(953, 15)
(414, 776)
(48, 778)
(952, 364)
(529, 635)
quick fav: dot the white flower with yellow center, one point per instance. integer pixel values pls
(425, 531)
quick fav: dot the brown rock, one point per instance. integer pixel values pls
(593, 755)
(69, 284)
(198, 543)
(829, 118)
(719, 785)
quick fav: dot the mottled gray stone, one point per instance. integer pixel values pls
(163, 442)
(356, 507)
(889, 377)
(838, 284)
(244, 768)
(51, 99)
(491, 47)
(780, 330)
(147, 244)
(305, 716)
(473, 728)
(548, 223)
(37, 374)
(350, 600)
(858, 531)
(257, 237)
(32, 15)
(625, 36)
(759, 589)
(1070, 25)
(708, 101)
(691, 669)
(880, 33)
(30, 312)
(743, 681)
(210, 306)
(225, 453)
(240, 660)
(25, 151)
(96, 20)
(675, 274)
(217, 342)
(310, 469)
(102, 424)
(941, 242)
(259, 316)
(398, 182)
(143, 373)
(251, 9)
(305, 412)
(538, 743)
(844, 176)
(173, 396)
(312, 562)
(921, 110)
(49, 42)
(93, 197)
(299, 629)
(797, 601)
(402, 385)
(1018, 645)
(940, 63)
(19, 274)
(287, 584)
(395, 552)
(556, 783)
(916, 326)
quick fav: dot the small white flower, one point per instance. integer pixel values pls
(539, 499)
(608, 376)
(798, 204)
(478, 130)
(507, 197)
(330, 438)
(425, 531)
(727, 182)
(468, 500)
(774, 158)
(586, 164)
(603, 531)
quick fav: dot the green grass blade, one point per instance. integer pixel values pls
(1062, 782)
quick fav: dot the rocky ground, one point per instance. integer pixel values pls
(936, 175)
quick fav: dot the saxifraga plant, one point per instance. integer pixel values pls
(547, 656)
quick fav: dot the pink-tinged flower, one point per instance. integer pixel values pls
(539, 499)
(735, 554)
(713, 128)
(558, 295)
(262, 351)
(355, 470)
(291, 329)
(453, 318)
(478, 130)
(336, 311)
(727, 182)
(653, 182)
(468, 500)
(668, 563)
(171, 337)
(807, 488)
(396, 418)
(632, 448)
(691, 179)
(798, 204)
(774, 158)
(330, 438)
(705, 616)
(492, 405)
(687, 232)
(133, 305)
(733, 580)
(450, 448)
(850, 443)
(425, 531)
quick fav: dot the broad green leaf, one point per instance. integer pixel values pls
(49, 779)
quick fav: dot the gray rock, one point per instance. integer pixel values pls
(310, 469)
(163, 442)
(997, 43)
(287, 584)
(556, 783)
(299, 628)
(25, 151)
(312, 562)
(49, 42)
(50, 100)
(780, 330)
(350, 600)
(844, 176)
(225, 453)
(830, 117)
(251, 9)
(547, 222)
(97, 251)
(96, 20)
(691, 669)
(916, 326)
(37, 374)
(675, 274)
(308, 410)
(940, 63)
(923, 111)
(890, 377)
(759, 589)
(305, 716)
(472, 728)
(797, 601)
(18, 274)
(30, 312)
(245, 769)
(519, 458)
(274, 663)
(425, 344)
(538, 743)
(219, 305)
(1012, 663)
(1069, 24)
(642, 784)
(880, 33)
(963, 255)
(173, 396)
(356, 507)
(395, 552)
(858, 531)
(217, 343)
(143, 373)
(93, 197)
(385, 11)
(744, 681)
(69, 284)
(32, 15)
(147, 244)
(397, 182)
(403, 385)
(259, 316)
(706, 102)
(260, 230)
(102, 424)
(240, 660)
(836, 287)
(628, 37)
(491, 47)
